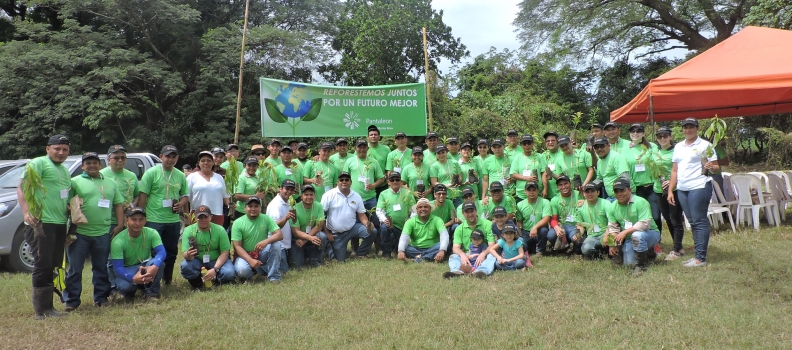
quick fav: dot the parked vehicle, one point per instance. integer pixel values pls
(14, 251)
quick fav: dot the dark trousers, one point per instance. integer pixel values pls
(47, 252)
(169, 233)
(673, 216)
(648, 193)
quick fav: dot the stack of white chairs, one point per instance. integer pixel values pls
(718, 206)
(744, 184)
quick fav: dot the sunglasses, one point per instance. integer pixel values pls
(258, 154)
(344, 180)
(527, 143)
(394, 180)
(599, 146)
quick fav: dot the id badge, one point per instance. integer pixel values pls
(308, 229)
(396, 170)
(206, 259)
(288, 172)
(640, 167)
(362, 179)
(570, 218)
(167, 203)
(551, 166)
(526, 172)
(596, 229)
(64, 194)
(104, 203)
(396, 207)
(502, 181)
(419, 182)
(627, 224)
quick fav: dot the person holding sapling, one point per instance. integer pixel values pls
(453, 149)
(127, 184)
(256, 240)
(563, 208)
(692, 159)
(444, 209)
(289, 169)
(498, 198)
(43, 194)
(208, 188)
(610, 166)
(307, 230)
(274, 148)
(591, 222)
(393, 210)
(101, 199)
(282, 210)
(471, 169)
(446, 172)
(496, 168)
(533, 216)
(232, 152)
(376, 151)
(459, 262)
(527, 166)
(321, 173)
(246, 185)
(630, 228)
(512, 255)
(206, 246)
(662, 173)
(424, 236)
(574, 163)
(346, 219)
(302, 154)
(130, 252)
(366, 177)
(612, 132)
(341, 156)
(552, 163)
(416, 175)
(400, 157)
(431, 143)
(164, 194)
(512, 144)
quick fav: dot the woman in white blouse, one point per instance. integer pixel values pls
(208, 188)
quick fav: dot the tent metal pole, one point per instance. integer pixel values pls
(651, 116)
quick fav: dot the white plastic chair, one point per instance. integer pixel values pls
(743, 183)
(784, 181)
(728, 189)
(762, 176)
(780, 195)
(718, 206)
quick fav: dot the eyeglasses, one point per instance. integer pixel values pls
(496, 191)
(394, 180)
(636, 131)
(344, 180)
(118, 158)
(599, 146)
(258, 154)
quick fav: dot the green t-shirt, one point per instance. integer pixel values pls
(721, 153)
(250, 232)
(127, 184)
(309, 216)
(294, 173)
(454, 157)
(462, 233)
(368, 168)
(429, 157)
(483, 214)
(134, 250)
(396, 205)
(639, 174)
(397, 160)
(636, 210)
(213, 241)
(465, 168)
(379, 153)
(620, 145)
(274, 162)
(609, 169)
(531, 213)
(160, 184)
(241, 167)
(595, 216)
(511, 152)
(483, 172)
(507, 202)
(56, 182)
(99, 196)
(412, 175)
(663, 160)
(443, 172)
(553, 161)
(445, 211)
(424, 235)
(245, 185)
(576, 164)
(338, 161)
(329, 176)
(521, 163)
(497, 168)
(565, 207)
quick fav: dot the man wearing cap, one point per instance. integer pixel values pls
(453, 149)
(259, 152)
(574, 163)
(342, 155)
(431, 142)
(393, 210)
(498, 198)
(562, 222)
(307, 231)
(256, 240)
(127, 184)
(289, 169)
(322, 174)
(302, 154)
(280, 210)
(232, 152)
(424, 236)
(346, 219)
(443, 171)
(400, 157)
(527, 166)
(630, 224)
(375, 150)
(466, 164)
(246, 186)
(100, 200)
(496, 168)
(552, 163)
(130, 252)
(444, 209)
(469, 197)
(594, 133)
(164, 194)
(49, 226)
(366, 177)
(274, 147)
(591, 218)
(512, 143)
(206, 245)
(612, 133)
(416, 175)
(610, 166)
(485, 262)
(219, 157)
(533, 216)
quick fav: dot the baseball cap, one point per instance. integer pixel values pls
(417, 150)
(600, 141)
(373, 127)
(273, 141)
(307, 187)
(595, 125)
(690, 121)
(621, 183)
(496, 185)
(440, 188)
(512, 132)
(89, 155)
(344, 174)
(361, 142)
(58, 140)
(637, 126)
(562, 177)
(663, 130)
(590, 186)
(288, 183)
(467, 191)
(440, 148)
(217, 150)
(394, 175)
(476, 233)
(116, 148)
(482, 142)
(400, 134)
(326, 145)
(340, 141)
(432, 134)
(252, 199)
(302, 145)
(549, 133)
(203, 210)
(135, 210)
(497, 142)
(509, 228)
(251, 159)
(608, 124)
(526, 138)
(453, 140)
(205, 153)
(530, 184)
(563, 140)
(499, 210)
(468, 205)
(232, 145)
(168, 150)
(286, 149)
(466, 145)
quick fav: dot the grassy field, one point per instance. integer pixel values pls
(742, 300)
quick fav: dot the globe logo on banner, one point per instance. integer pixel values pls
(293, 105)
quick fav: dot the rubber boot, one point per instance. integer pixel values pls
(642, 259)
(167, 275)
(42, 303)
(196, 283)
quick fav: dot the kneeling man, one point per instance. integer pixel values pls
(205, 245)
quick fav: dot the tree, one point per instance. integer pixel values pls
(380, 42)
(578, 30)
(771, 13)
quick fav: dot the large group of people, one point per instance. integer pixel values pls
(493, 211)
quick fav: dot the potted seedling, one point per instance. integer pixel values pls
(472, 178)
(268, 179)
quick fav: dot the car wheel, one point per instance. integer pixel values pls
(21, 258)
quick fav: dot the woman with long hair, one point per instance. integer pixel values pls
(660, 204)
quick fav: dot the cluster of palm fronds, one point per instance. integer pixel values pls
(232, 176)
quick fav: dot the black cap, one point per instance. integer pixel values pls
(217, 150)
(440, 188)
(116, 148)
(417, 150)
(549, 133)
(621, 183)
(595, 125)
(288, 183)
(563, 140)
(562, 177)
(497, 142)
(466, 145)
(400, 134)
(600, 141)
(394, 175)
(432, 134)
(340, 141)
(467, 191)
(302, 145)
(205, 153)
(440, 148)
(250, 160)
(499, 210)
(468, 205)
(203, 210)
(286, 149)
(496, 185)
(591, 186)
(135, 210)
(527, 138)
(344, 174)
(272, 141)
(89, 155)
(361, 142)
(611, 124)
(531, 184)
(637, 126)
(453, 140)
(307, 187)
(252, 199)
(690, 121)
(326, 145)
(186, 167)
(58, 140)
(373, 127)
(476, 233)
(482, 142)
(509, 228)
(292, 141)
(168, 150)
(232, 145)
(663, 130)
(512, 132)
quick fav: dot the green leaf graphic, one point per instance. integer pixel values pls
(316, 106)
(273, 112)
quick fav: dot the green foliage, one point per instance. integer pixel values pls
(33, 191)
(268, 179)
(770, 13)
(232, 176)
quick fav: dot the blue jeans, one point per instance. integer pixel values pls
(191, 269)
(342, 239)
(270, 258)
(538, 243)
(169, 233)
(128, 288)
(512, 265)
(552, 235)
(641, 241)
(99, 250)
(425, 253)
(591, 246)
(457, 202)
(695, 204)
(390, 239)
(314, 253)
(455, 262)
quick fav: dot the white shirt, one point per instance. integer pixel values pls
(209, 193)
(342, 210)
(277, 209)
(688, 160)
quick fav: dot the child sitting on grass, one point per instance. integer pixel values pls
(512, 257)
(476, 247)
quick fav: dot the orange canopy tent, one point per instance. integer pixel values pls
(749, 73)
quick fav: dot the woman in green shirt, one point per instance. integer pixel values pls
(671, 213)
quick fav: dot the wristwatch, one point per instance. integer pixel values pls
(216, 270)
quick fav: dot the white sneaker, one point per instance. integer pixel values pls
(672, 256)
(688, 261)
(696, 263)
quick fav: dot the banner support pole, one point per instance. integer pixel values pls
(241, 71)
(651, 116)
(426, 76)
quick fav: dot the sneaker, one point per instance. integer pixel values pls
(696, 263)
(681, 252)
(688, 261)
(480, 275)
(69, 308)
(102, 303)
(672, 256)
(152, 297)
(418, 259)
(637, 271)
(275, 281)
(450, 274)
(387, 256)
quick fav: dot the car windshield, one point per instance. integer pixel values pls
(10, 179)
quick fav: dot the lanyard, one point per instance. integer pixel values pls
(447, 169)
(401, 156)
(310, 220)
(588, 208)
(571, 168)
(66, 184)
(529, 160)
(568, 203)
(535, 206)
(208, 244)
(100, 188)
(626, 213)
(167, 182)
(140, 247)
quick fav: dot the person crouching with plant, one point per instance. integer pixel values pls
(206, 246)
(307, 230)
(130, 252)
